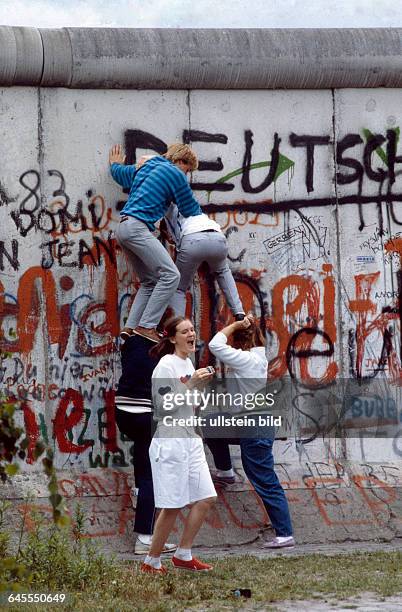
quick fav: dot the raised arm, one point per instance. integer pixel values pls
(123, 175)
(236, 358)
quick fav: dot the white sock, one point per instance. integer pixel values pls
(184, 554)
(153, 562)
(225, 472)
(284, 538)
(144, 538)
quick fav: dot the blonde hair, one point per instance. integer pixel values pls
(182, 152)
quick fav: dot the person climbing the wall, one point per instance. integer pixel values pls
(199, 239)
(153, 187)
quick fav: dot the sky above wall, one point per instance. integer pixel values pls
(202, 13)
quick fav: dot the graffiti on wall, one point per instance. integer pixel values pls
(66, 287)
(323, 488)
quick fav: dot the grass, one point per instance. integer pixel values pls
(122, 587)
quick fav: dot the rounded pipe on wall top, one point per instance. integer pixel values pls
(236, 59)
(57, 58)
(201, 58)
(21, 54)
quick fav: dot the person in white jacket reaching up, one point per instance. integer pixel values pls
(246, 372)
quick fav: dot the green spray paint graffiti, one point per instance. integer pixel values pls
(379, 150)
(284, 164)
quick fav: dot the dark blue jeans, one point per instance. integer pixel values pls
(258, 464)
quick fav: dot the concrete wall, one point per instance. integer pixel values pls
(307, 251)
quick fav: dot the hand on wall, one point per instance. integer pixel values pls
(116, 155)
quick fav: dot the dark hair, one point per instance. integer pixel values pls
(246, 339)
(165, 346)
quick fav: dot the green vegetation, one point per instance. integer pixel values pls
(94, 583)
(55, 558)
(60, 559)
(14, 447)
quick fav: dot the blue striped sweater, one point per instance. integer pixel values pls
(153, 188)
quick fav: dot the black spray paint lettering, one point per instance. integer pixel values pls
(392, 157)
(310, 142)
(138, 139)
(32, 216)
(240, 256)
(57, 251)
(245, 179)
(378, 175)
(32, 198)
(372, 144)
(308, 417)
(292, 353)
(12, 257)
(386, 350)
(349, 141)
(190, 136)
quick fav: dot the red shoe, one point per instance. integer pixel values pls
(148, 569)
(195, 565)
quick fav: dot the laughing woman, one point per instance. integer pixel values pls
(180, 471)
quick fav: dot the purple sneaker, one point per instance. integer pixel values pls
(281, 542)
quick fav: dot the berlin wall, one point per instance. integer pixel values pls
(298, 136)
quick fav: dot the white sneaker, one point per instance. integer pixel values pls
(143, 549)
(281, 542)
(225, 480)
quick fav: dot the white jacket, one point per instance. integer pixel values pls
(246, 371)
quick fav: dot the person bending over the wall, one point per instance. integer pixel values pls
(200, 239)
(153, 187)
(134, 419)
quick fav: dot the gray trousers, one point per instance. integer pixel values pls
(159, 277)
(210, 247)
